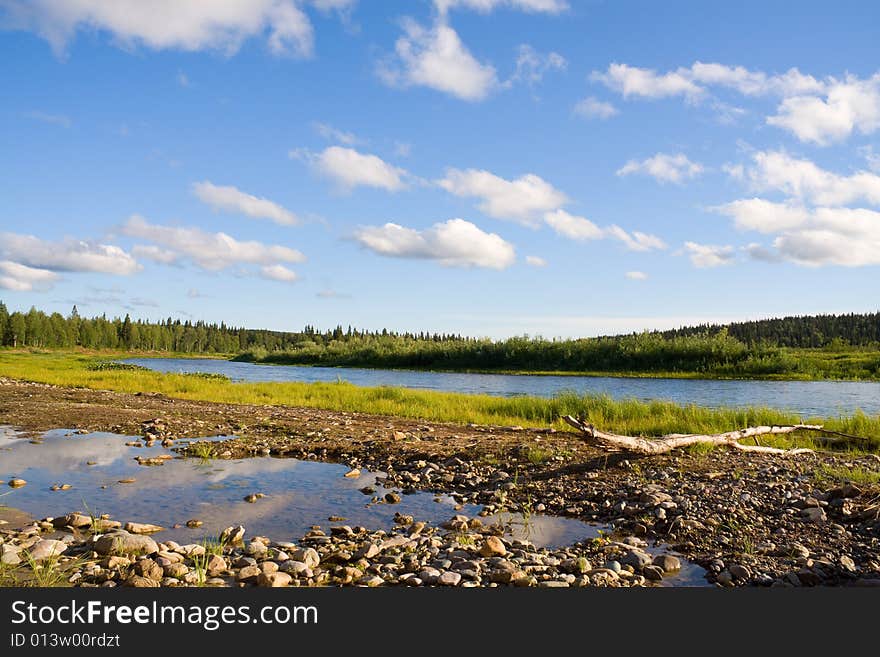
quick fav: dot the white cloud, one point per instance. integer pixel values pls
(803, 179)
(210, 251)
(522, 199)
(636, 275)
(762, 215)
(849, 105)
(848, 237)
(572, 226)
(872, 158)
(535, 261)
(664, 168)
(531, 66)
(232, 199)
(593, 108)
(436, 58)
(692, 83)
(278, 273)
(189, 25)
(154, 253)
(704, 256)
(453, 243)
(632, 81)
(21, 278)
(66, 255)
(637, 241)
(330, 133)
(486, 6)
(52, 119)
(350, 168)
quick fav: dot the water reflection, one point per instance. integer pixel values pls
(809, 398)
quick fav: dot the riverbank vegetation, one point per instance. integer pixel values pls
(622, 416)
(818, 347)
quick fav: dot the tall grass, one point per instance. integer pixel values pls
(622, 416)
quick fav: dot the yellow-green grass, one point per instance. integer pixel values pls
(622, 416)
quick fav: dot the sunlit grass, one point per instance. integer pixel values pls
(622, 416)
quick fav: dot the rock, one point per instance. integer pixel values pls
(102, 525)
(9, 555)
(354, 473)
(740, 572)
(17, 483)
(73, 520)
(46, 549)
(141, 582)
(493, 547)
(449, 578)
(392, 498)
(175, 570)
(121, 542)
(232, 535)
(251, 498)
(274, 580)
(637, 559)
(847, 563)
(653, 573)
(373, 581)
(813, 514)
(215, 565)
(797, 551)
(667, 563)
(194, 523)
(553, 584)
(248, 574)
(256, 549)
(844, 492)
(296, 568)
(148, 568)
(613, 566)
(308, 556)
(725, 578)
(127, 480)
(142, 528)
(367, 551)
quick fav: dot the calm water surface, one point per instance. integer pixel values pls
(807, 398)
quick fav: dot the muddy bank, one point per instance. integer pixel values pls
(748, 518)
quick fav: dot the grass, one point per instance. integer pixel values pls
(621, 416)
(202, 450)
(843, 474)
(538, 455)
(45, 573)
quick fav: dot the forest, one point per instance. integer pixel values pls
(824, 346)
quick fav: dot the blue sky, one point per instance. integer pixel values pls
(485, 167)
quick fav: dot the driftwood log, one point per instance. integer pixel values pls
(669, 442)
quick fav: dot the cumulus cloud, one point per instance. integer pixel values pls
(704, 256)
(762, 215)
(636, 275)
(350, 168)
(535, 261)
(522, 199)
(154, 253)
(232, 199)
(21, 278)
(436, 58)
(189, 25)
(846, 106)
(593, 108)
(278, 273)
(804, 180)
(210, 251)
(68, 255)
(632, 81)
(664, 167)
(453, 243)
(572, 226)
(486, 6)
(635, 241)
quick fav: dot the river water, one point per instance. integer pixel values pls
(807, 398)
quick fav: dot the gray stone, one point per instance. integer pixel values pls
(740, 572)
(613, 566)
(653, 573)
(142, 528)
(847, 563)
(367, 551)
(667, 563)
(449, 578)
(232, 535)
(813, 514)
(725, 578)
(637, 559)
(308, 556)
(148, 568)
(47, 549)
(553, 584)
(296, 568)
(248, 574)
(121, 542)
(274, 580)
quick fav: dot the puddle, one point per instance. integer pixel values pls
(298, 494)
